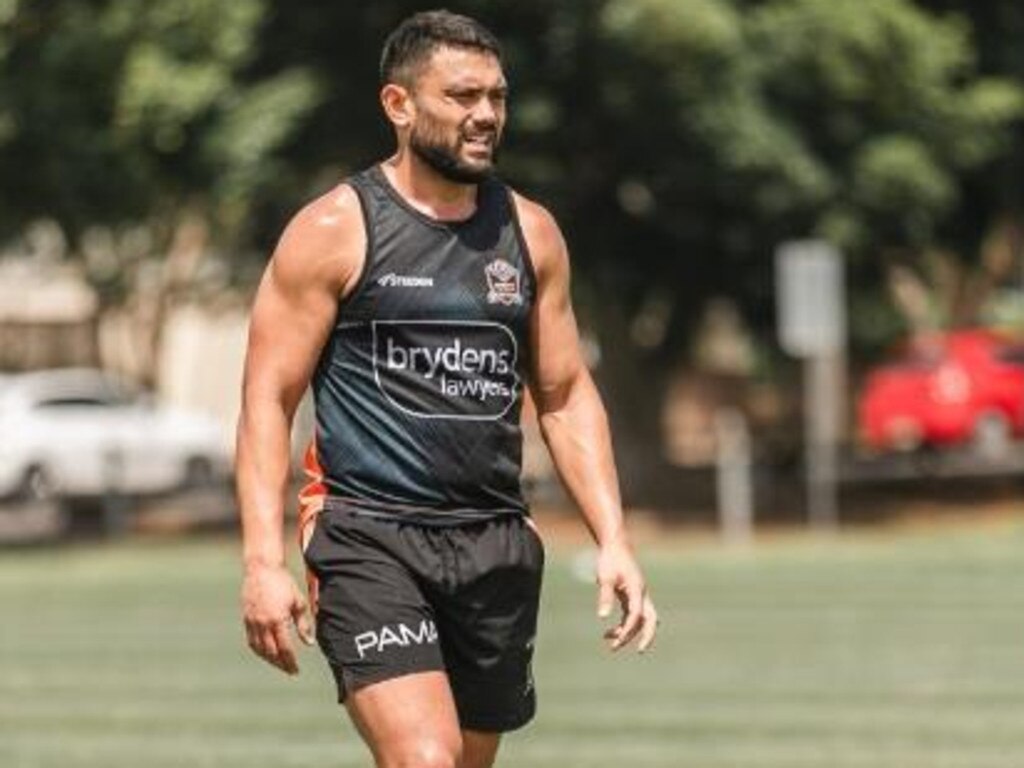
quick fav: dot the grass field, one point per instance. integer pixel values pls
(905, 651)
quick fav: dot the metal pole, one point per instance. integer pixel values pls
(821, 397)
(734, 480)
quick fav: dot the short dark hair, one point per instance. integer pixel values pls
(412, 42)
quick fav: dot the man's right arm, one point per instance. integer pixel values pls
(315, 264)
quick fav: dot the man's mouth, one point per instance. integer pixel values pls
(479, 142)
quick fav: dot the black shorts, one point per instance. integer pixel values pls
(396, 598)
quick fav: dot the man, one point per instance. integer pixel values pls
(418, 297)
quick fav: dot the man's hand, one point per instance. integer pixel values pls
(271, 603)
(619, 576)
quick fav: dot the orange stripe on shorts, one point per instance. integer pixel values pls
(311, 502)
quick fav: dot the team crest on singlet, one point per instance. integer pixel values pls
(503, 284)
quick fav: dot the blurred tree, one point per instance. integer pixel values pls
(136, 126)
(855, 122)
(676, 140)
(125, 111)
(679, 140)
(724, 127)
(997, 29)
(987, 231)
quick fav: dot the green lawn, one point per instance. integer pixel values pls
(905, 652)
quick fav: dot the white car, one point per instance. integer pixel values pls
(82, 433)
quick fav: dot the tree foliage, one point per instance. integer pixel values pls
(852, 121)
(677, 140)
(121, 111)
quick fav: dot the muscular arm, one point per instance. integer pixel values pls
(318, 258)
(569, 408)
(575, 428)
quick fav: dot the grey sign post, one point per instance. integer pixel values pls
(811, 308)
(735, 483)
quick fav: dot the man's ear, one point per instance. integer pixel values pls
(398, 105)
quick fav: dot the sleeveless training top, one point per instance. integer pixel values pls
(419, 387)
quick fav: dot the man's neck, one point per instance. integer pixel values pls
(427, 191)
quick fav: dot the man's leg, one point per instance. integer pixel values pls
(487, 628)
(409, 722)
(479, 748)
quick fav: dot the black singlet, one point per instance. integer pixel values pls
(419, 388)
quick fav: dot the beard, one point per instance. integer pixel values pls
(427, 142)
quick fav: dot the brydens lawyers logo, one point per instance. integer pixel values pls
(446, 369)
(502, 283)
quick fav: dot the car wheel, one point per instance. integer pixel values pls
(992, 434)
(37, 485)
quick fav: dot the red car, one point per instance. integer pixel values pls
(946, 389)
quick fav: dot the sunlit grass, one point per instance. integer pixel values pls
(860, 652)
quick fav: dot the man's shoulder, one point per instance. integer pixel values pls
(325, 239)
(543, 236)
(530, 211)
(335, 210)
(330, 221)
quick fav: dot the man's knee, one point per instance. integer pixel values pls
(425, 753)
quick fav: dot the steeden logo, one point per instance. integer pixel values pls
(502, 283)
(391, 280)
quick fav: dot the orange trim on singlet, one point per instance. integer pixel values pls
(311, 502)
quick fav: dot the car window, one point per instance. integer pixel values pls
(86, 393)
(911, 365)
(916, 356)
(917, 360)
(75, 401)
(1013, 355)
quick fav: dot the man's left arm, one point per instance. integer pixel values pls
(575, 428)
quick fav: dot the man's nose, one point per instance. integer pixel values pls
(485, 113)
